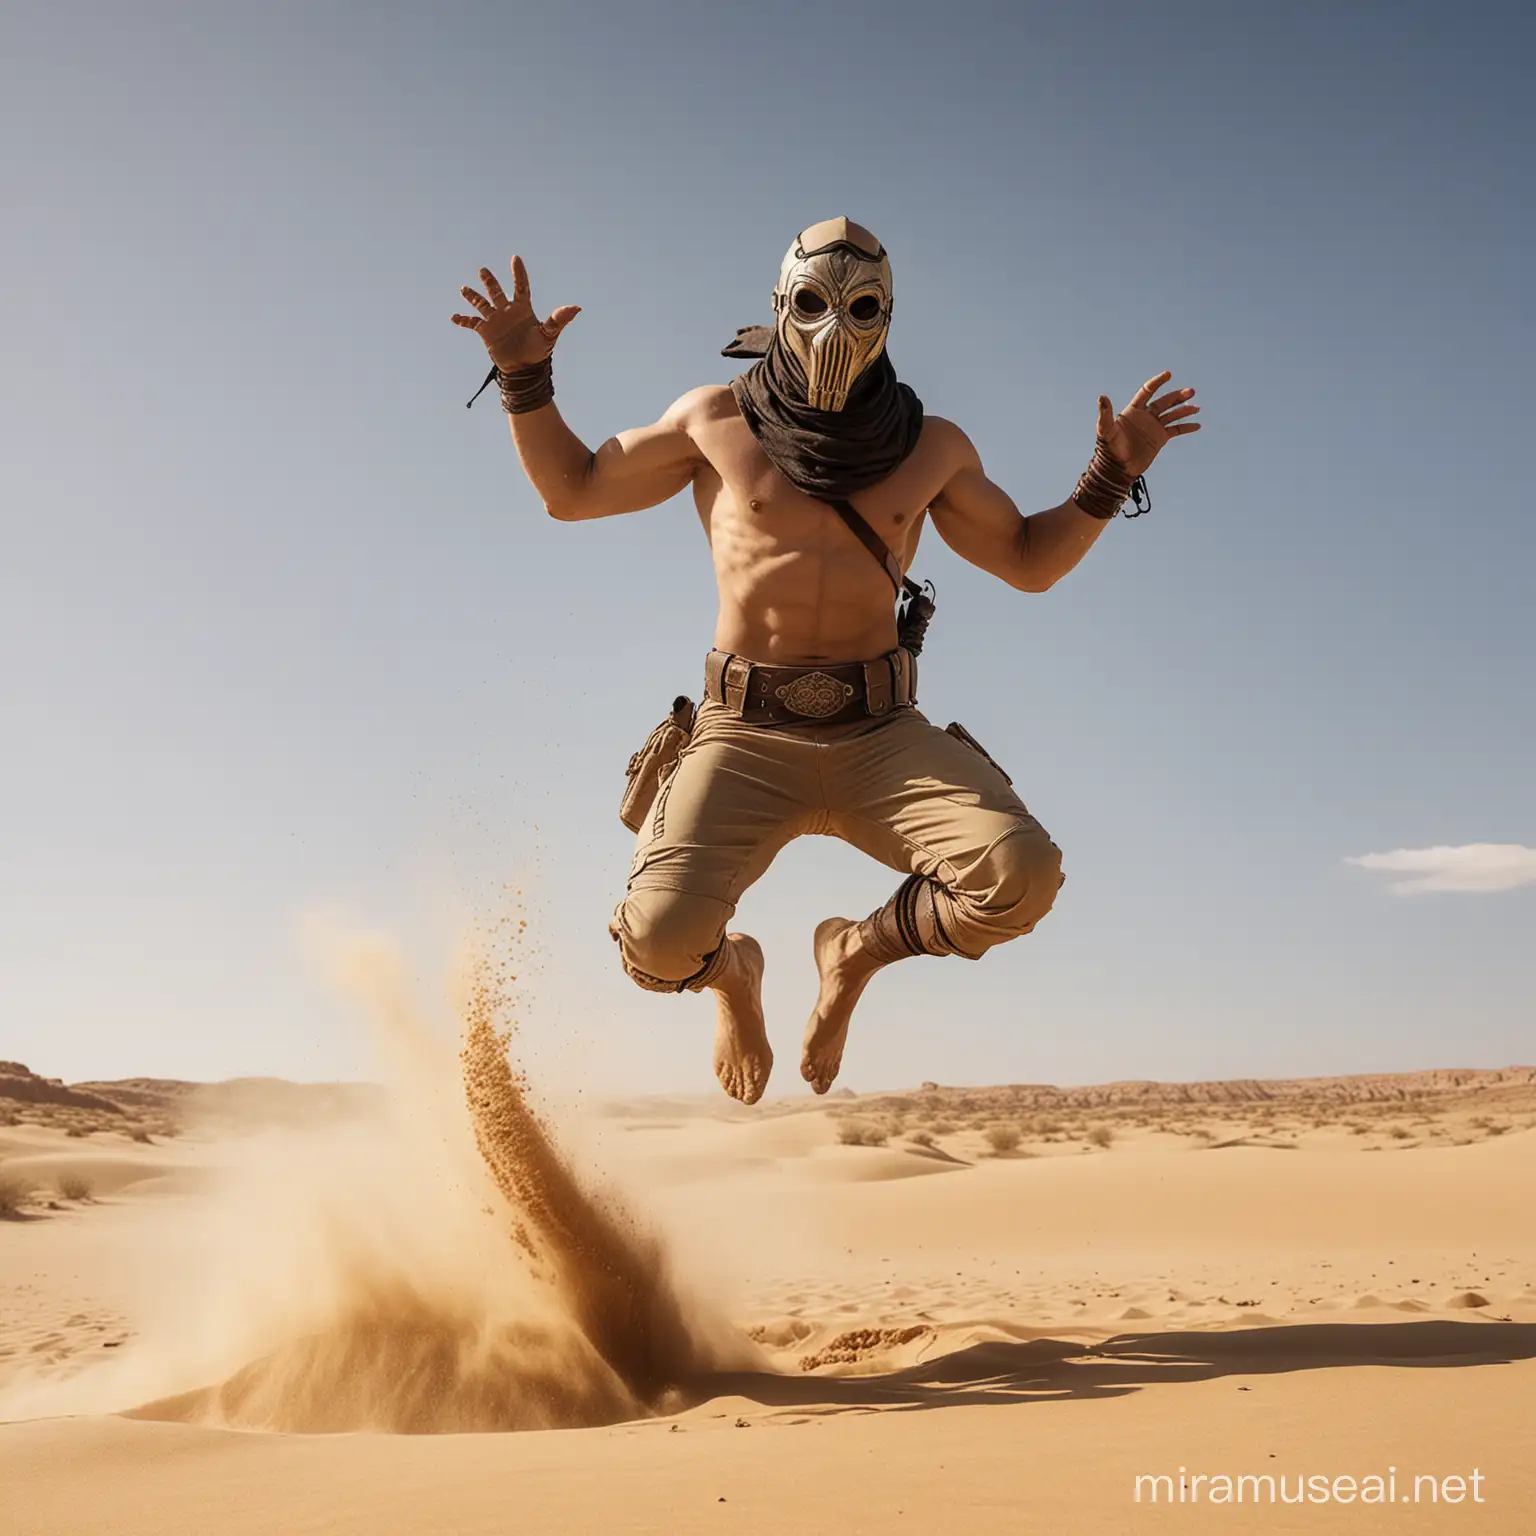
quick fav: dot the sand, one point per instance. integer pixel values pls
(745, 1321)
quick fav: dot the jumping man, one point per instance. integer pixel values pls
(809, 722)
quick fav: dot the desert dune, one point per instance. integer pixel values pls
(983, 1309)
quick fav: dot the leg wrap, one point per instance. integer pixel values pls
(908, 924)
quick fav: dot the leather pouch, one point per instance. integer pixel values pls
(959, 732)
(653, 762)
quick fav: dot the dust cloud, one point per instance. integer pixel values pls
(444, 1269)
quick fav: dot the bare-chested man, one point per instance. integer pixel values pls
(809, 724)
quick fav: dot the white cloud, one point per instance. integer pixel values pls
(1471, 867)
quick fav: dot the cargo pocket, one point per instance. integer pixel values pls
(650, 767)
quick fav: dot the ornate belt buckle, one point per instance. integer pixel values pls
(814, 695)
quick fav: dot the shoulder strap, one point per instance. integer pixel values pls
(874, 544)
(913, 616)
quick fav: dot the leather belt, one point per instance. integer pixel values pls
(827, 695)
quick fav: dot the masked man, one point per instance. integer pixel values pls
(808, 723)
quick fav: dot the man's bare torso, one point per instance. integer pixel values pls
(795, 585)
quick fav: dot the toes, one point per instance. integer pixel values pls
(745, 1081)
(819, 1074)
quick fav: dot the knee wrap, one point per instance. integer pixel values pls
(908, 924)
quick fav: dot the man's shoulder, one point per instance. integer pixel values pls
(946, 439)
(702, 406)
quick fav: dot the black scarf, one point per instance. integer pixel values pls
(826, 454)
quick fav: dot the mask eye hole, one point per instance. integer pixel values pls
(865, 307)
(808, 302)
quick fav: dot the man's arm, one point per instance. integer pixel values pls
(979, 521)
(637, 469)
(629, 472)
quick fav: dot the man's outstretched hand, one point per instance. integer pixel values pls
(1136, 436)
(513, 337)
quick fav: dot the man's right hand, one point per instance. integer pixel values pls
(513, 337)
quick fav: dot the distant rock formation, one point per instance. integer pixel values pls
(241, 1101)
(21, 1083)
(1438, 1086)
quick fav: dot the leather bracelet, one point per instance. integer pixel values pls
(1104, 486)
(526, 389)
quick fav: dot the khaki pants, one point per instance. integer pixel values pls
(905, 792)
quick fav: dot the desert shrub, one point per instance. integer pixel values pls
(1496, 1128)
(1399, 1132)
(1003, 1138)
(77, 1131)
(862, 1133)
(942, 1127)
(921, 1138)
(1045, 1125)
(1100, 1135)
(141, 1135)
(14, 1194)
(74, 1186)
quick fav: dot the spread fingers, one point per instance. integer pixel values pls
(478, 299)
(1173, 397)
(1144, 394)
(469, 322)
(492, 286)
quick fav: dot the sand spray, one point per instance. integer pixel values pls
(440, 1268)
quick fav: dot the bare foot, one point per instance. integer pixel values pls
(743, 1058)
(845, 970)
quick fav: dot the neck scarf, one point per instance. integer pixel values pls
(826, 454)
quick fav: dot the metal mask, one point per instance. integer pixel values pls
(832, 307)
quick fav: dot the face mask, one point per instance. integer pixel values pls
(832, 307)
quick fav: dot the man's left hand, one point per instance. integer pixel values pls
(1136, 436)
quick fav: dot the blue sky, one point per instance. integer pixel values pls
(284, 629)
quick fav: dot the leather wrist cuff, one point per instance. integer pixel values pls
(1104, 485)
(526, 389)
